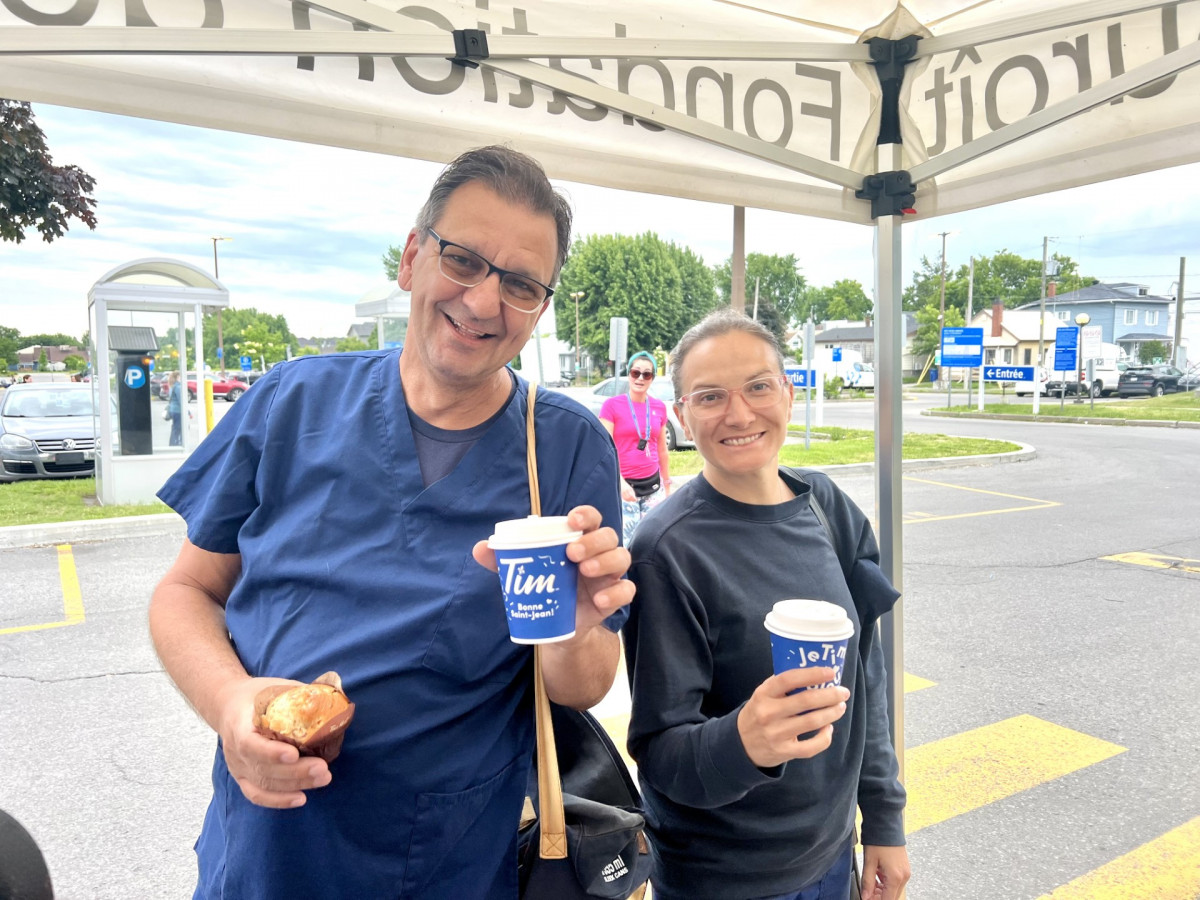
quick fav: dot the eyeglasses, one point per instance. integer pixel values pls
(758, 393)
(468, 268)
(640, 374)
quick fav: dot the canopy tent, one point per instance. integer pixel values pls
(777, 104)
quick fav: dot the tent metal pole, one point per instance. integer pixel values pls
(889, 436)
(1169, 64)
(1063, 16)
(676, 121)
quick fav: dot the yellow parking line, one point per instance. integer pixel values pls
(958, 774)
(72, 600)
(1037, 504)
(1156, 561)
(916, 683)
(1166, 868)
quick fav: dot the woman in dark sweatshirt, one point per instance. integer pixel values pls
(751, 788)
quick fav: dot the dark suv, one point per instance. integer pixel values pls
(1153, 380)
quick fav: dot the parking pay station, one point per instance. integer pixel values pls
(129, 467)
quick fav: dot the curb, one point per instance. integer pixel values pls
(1069, 420)
(16, 536)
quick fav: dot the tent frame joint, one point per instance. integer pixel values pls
(890, 193)
(470, 44)
(890, 57)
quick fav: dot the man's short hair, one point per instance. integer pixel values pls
(516, 177)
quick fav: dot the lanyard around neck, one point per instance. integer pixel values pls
(633, 415)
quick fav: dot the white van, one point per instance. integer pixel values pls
(1107, 370)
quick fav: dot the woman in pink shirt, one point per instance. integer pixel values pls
(637, 423)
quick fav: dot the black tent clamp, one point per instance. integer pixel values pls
(890, 193)
(470, 44)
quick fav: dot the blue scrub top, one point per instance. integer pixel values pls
(349, 563)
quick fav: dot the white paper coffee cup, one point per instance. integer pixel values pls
(537, 579)
(809, 634)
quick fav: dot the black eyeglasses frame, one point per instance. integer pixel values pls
(492, 267)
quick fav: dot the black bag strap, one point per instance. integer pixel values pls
(819, 511)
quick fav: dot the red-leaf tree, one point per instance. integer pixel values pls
(35, 193)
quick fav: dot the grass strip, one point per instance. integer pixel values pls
(842, 446)
(61, 500)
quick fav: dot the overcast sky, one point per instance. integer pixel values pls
(309, 224)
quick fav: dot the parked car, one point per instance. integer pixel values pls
(1190, 381)
(47, 430)
(660, 388)
(157, 380)
(229, 388)
(1153, 380)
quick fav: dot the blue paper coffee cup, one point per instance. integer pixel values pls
(537, 579)
(809, 634)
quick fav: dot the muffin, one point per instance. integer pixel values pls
(311, 717)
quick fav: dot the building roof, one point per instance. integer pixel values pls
(1145, 336)
(862, 332)
(361, 330)
(1103, 293)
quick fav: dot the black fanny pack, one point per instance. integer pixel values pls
(644, 487)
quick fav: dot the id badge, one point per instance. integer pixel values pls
(642, 444)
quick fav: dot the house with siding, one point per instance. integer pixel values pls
(1128, 314)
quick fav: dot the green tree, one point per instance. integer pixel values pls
(266, 335)
(35, 193)
(10, 342)
(262, 341)
(307, 351)
(350, 345)
(1152, 351)
(779, 282)
(928, 339)
(662, 289)
(42, 361)
(391, 260)
(74, 363)
(844, 299)
(50, 340)
(1003, 278)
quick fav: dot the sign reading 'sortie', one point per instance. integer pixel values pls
(537, 578)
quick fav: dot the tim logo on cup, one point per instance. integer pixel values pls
(530, 585)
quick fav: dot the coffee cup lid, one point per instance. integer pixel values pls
(533, 531)
(810, 620)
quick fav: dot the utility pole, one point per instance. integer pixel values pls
(220, 332)
(577, 296)
(1037, 369)
(942, 305)
(1179, 316)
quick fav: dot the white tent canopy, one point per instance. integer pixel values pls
(765, 103)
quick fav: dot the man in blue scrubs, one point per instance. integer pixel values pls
(336, 520)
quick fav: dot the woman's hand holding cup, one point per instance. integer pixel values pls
(774, 718)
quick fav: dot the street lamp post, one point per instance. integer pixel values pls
(220, 331)
(577, 296)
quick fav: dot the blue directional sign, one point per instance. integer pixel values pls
(1066, 349)
(135, 377)
(837, 354)
(246, 363)
(1008, 373)
(801, 377)
(962, 347)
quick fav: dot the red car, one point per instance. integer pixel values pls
(230, 389)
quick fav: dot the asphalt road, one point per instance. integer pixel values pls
(1053, 732)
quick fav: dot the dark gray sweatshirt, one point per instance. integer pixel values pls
(707, 570)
